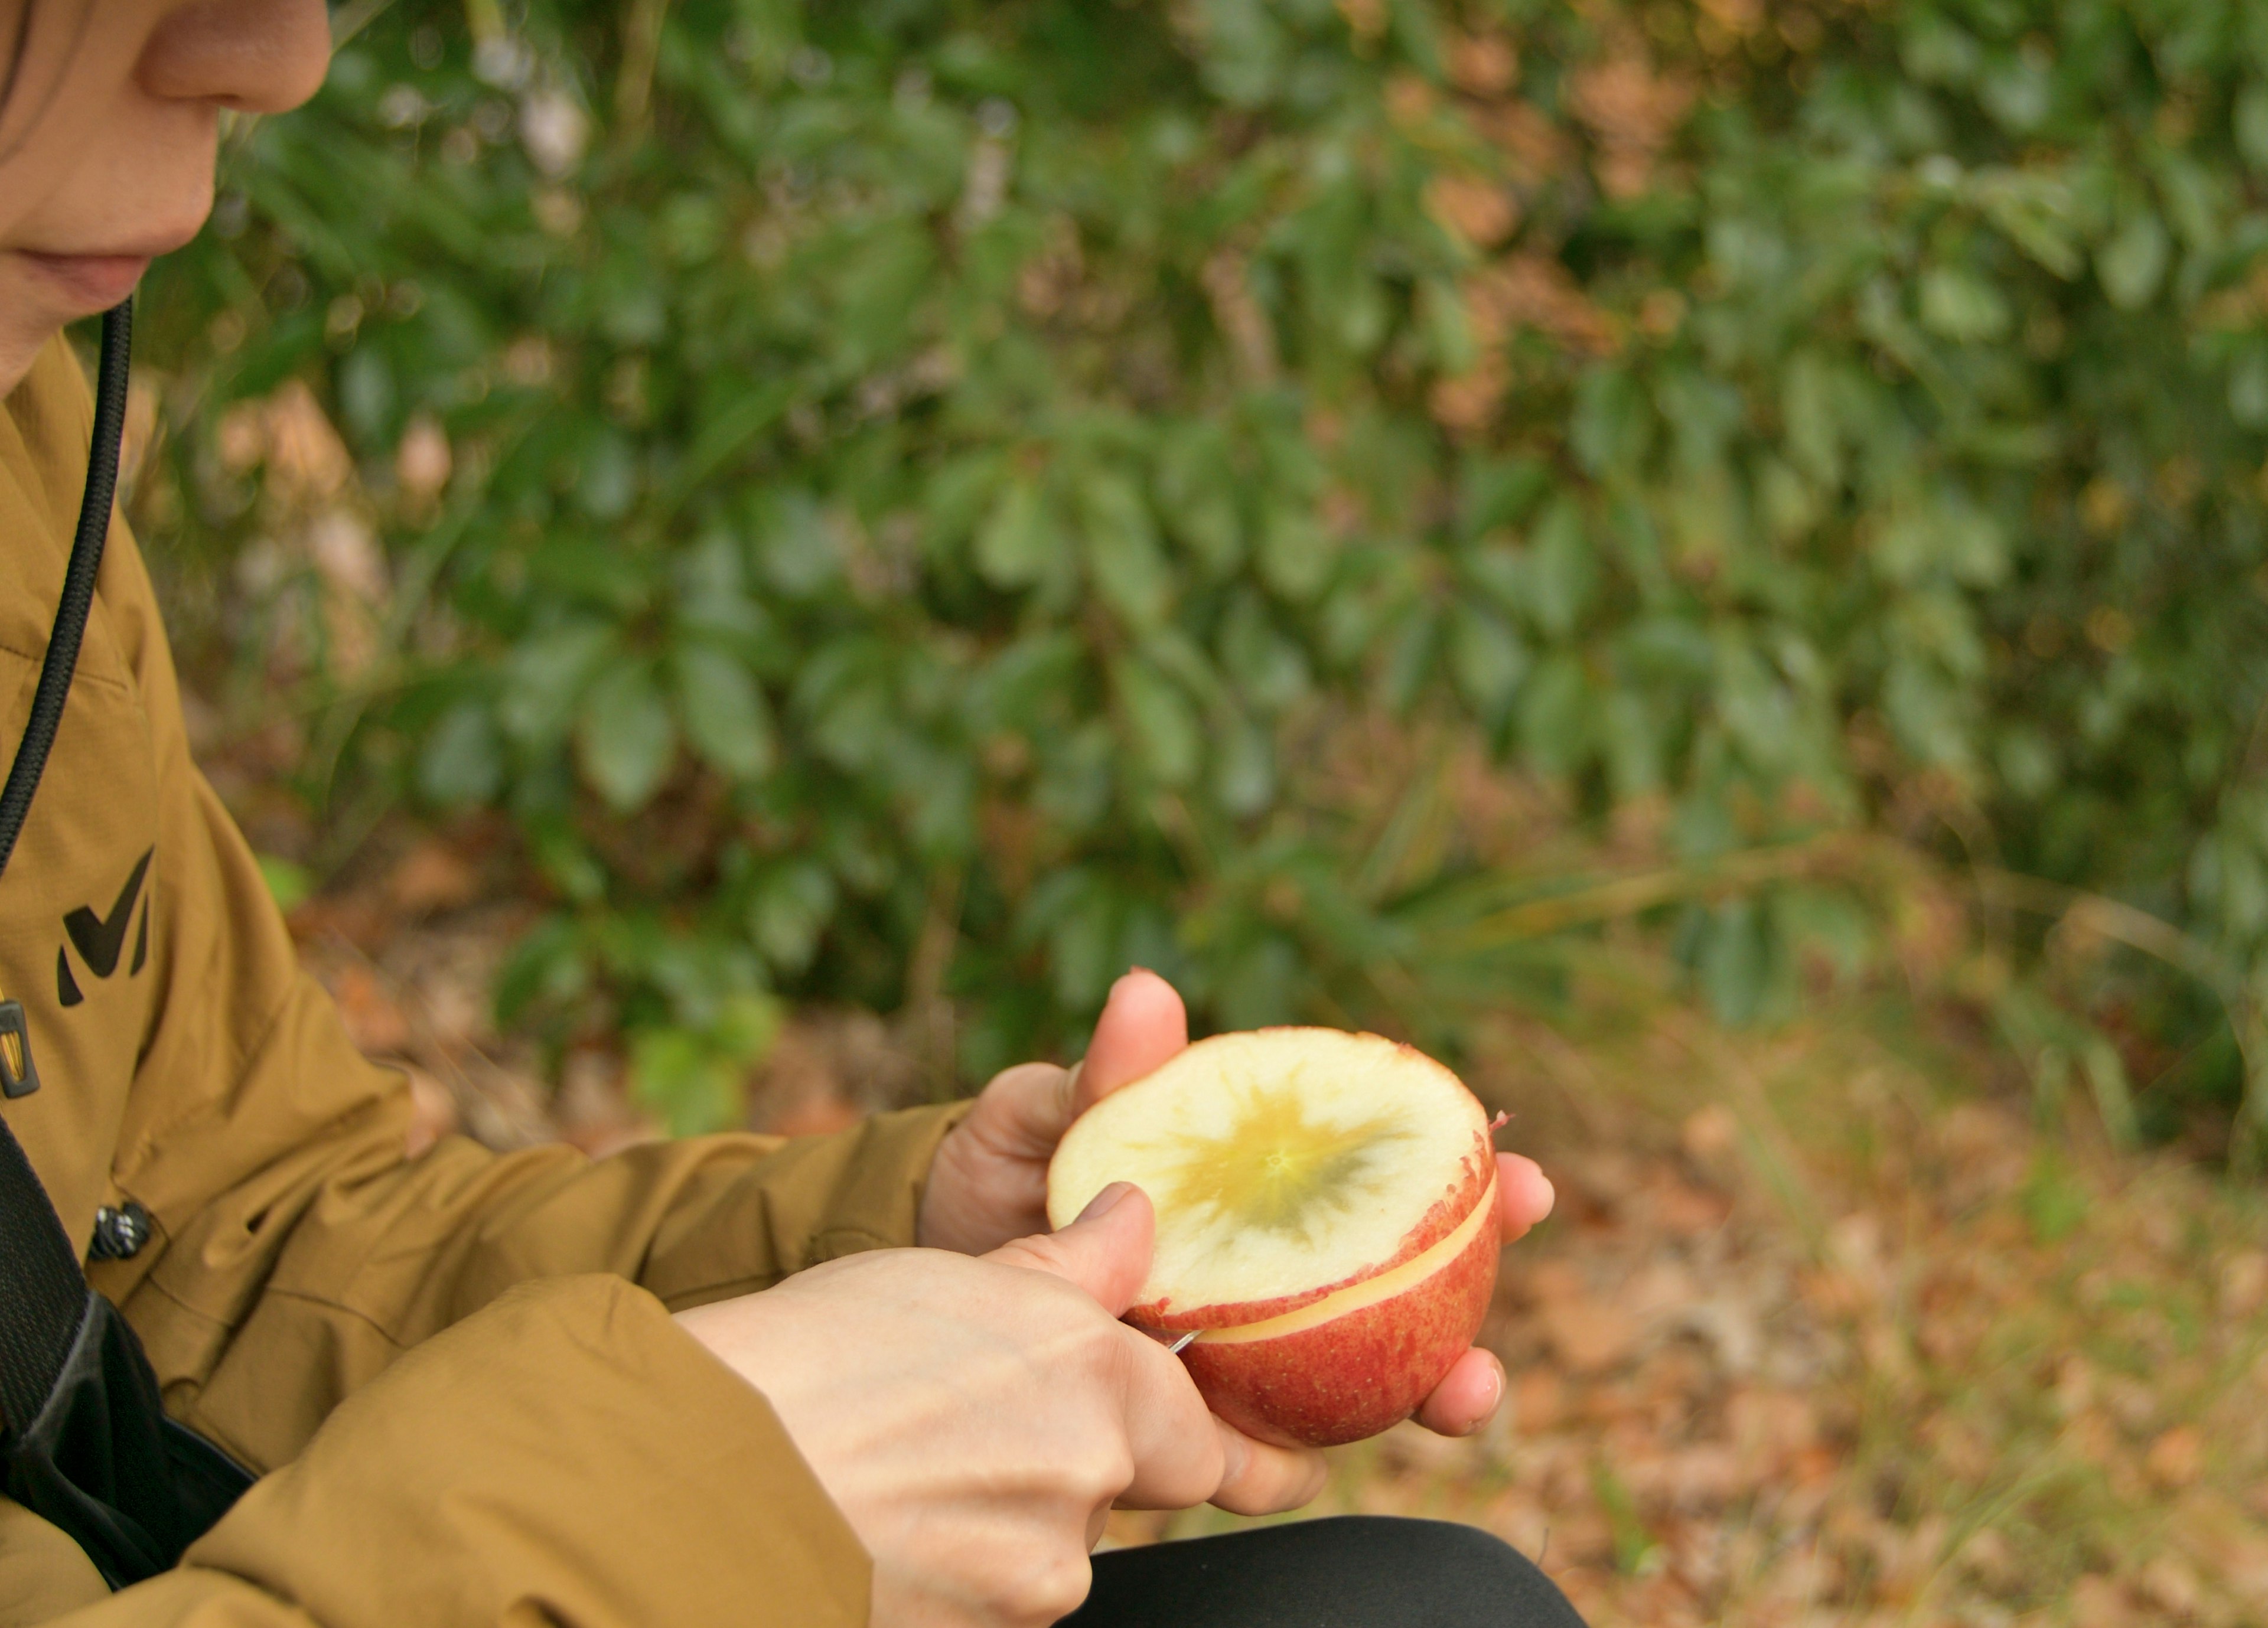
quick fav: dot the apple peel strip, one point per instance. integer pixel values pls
(1356, 1296)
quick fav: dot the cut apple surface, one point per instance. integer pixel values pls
(1326, 1208)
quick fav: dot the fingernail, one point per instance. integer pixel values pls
(1107, 1200)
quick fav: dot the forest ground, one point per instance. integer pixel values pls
(1826, 1329)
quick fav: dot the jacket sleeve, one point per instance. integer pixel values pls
(459, 1369)
(566, 1456)
(298, 1251)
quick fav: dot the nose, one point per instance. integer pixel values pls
(255, 55)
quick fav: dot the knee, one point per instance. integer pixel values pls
(1478, 1565)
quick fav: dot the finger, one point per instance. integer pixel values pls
(1143, 1024)
(1524, 1195)
(1023, 1113)
(1105, 1251)
(1259, 1478)
(1468, 1396)
(1170, 1434)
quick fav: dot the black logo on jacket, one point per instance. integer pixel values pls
(99, 938)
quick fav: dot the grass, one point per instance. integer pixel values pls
(1838, 1321)
(1823, 1334)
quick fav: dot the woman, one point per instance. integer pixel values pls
(486, 1389)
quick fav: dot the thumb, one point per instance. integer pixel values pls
(1143, 1024)
(1106, 1251)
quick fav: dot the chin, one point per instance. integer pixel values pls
(26, 326)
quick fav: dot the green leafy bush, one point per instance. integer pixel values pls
(922, 503)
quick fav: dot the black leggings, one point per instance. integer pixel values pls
(1348, 1572)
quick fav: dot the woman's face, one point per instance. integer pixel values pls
(107, 138)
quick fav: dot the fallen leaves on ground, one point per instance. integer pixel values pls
(1842, 1344)
(1820, 1333)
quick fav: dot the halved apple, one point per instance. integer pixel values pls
(1327, 1224)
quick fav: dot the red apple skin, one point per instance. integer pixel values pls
(1357, 1375)
(1473, 1184)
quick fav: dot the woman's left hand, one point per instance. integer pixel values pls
(990, 1182)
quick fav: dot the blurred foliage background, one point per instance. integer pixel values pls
(1380, 511)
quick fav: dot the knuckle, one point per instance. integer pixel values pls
(1104, 1471)
(1053, 1588)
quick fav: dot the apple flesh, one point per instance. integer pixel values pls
(1327, 1225)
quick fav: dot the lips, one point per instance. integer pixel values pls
(93, 282)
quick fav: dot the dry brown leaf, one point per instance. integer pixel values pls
(1483, 64)
(1632, 111)
(2244, 1283)
(1365, 19)
(423, 461)
(2096, 1602)
(374, 1020)
(1686, 1211)
(2169, 1583)
(1537, 150)
(1710, 1134)
(1410, 99)
(1529, 290)
(1589, 1335)
(1468, 402)
(1475, 209)
(432, 876)
(2175, 1457)
(1539, 1400)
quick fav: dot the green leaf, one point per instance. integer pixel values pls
(795, 545)
(2133, 263)
(1611, 425)
(2251, 126)
(289, 883)
(1486, 658)
(1269, 671)
(461, 763)
(696, 1089)
(547, 967)
(625, 738)
(1565, 576)
(722, 710)
(1122, 556)
(1244, 768)
(1243, 50)
(789, 910)
(2248, 388)
(2039, 213)
(1807, 407)
(1958, 305)
(1161, 719)
(1407, 655)
(1018, 539)
(1196, 497)
(1296, 553)
(1735, 960)
(1447, 328)
(1555, 717)
(544, 678)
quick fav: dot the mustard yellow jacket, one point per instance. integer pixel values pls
(456, 1374)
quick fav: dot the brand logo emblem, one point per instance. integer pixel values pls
(99, 939)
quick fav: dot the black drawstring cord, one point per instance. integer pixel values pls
(79, 578)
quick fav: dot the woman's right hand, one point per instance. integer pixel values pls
(976, 1419)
